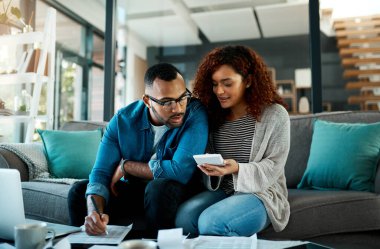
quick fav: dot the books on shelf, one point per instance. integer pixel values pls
(32, 64)
(29, 62)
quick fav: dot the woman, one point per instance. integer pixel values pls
(250, 128)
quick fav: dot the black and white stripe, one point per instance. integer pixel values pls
(233, 140)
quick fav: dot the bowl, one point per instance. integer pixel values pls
(138, 244)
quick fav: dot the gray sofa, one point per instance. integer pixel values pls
(341, 219)
(43, 200)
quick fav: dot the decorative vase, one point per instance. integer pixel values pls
(303, 105)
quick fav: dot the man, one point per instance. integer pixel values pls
(149, 144)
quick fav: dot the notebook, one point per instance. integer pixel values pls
(12, 207)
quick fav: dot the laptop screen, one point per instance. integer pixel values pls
(12, 207)
(11, 202)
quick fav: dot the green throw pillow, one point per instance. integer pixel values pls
(342, 156)
(70, 154)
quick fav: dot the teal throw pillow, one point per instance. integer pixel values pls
(70, 154)
(342, 156)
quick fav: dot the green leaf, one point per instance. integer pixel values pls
(3, 18)
(22, 108)
(16, 12)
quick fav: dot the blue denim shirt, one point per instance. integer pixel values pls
(129, 136)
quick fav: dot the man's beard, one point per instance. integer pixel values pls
(167, 121)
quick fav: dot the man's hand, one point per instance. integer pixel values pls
(96, 225)
(230, 167)
(115, 178)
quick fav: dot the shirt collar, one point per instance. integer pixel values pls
(145, 120)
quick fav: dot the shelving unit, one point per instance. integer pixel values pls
(287, 90)
(16, 78)
(46, 60)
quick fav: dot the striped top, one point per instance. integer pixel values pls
(264, 174)
(233, 140)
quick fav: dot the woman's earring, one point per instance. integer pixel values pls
(247, 86)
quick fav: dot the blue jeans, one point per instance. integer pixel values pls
(216, 213)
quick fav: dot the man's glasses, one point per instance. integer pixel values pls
(169, 105)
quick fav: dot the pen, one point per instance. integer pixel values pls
(97, 209)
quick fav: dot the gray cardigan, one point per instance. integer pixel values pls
(264, 174)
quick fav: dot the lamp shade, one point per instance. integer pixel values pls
(303, 78)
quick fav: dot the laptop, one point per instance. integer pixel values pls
(12, 207)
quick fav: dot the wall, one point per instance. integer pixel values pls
(285, 54)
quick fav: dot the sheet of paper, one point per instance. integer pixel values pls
(115, 235)
(63, 244)
(170, 238)
(272, 244)
(103, 247)
(218, 242)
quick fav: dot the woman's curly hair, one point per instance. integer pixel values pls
(254, 72)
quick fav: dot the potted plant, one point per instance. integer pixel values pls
(6, 13)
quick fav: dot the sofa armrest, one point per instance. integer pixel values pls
(10, 160)
(83, 125)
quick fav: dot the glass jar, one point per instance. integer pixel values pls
(22, 103)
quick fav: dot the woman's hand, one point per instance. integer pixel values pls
(230, 167)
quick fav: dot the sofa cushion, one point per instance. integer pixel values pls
(46, 201)
(342, 156)
(301, 131)
(70, 154)
(315, 213)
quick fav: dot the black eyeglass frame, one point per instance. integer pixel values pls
(164, 104)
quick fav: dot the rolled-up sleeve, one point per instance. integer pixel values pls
(97, 189)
